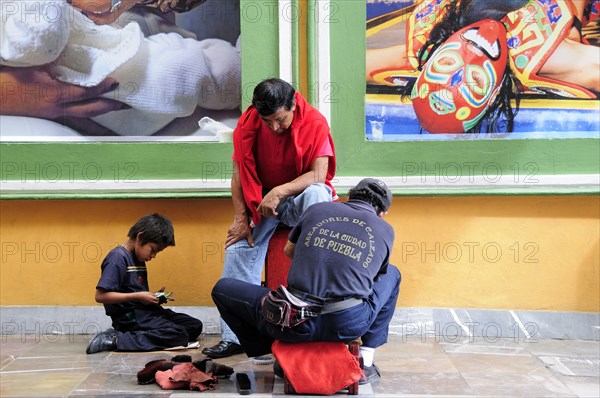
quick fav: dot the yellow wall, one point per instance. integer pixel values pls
(538, 253)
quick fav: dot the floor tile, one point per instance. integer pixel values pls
(485, 346)
(12, 347)
(430, 384)
(40, 383)
(496, 365)
(573, 366)
(533, 384)
(588, 387)
(571, 348)
(411, 366)
(117, 383)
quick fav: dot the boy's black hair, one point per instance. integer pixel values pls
(272, 94)
(154, 228)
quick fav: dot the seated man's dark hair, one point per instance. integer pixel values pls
(369, 196)
(272, 94)
(154, 228)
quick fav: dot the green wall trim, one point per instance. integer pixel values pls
(118, 161)
(311, 51)
(295, 48)
(142, 195)
(260, 44)
(343, 193)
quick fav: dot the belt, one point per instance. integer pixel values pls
(328, 305)
(341, 305)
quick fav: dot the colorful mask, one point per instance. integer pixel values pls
(462, 79)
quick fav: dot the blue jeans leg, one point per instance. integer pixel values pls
(246, 263)
(295, 206)
(383, 301)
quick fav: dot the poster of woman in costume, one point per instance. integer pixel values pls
(447, 69)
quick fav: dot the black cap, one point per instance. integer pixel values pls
(379, 189)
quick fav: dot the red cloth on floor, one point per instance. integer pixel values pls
(185, 376)
(317, 367)
(163, 379)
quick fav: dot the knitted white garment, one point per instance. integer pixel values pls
(93, 51)
(32, 33)
(83, 53)
(169, 77)
(221, 88)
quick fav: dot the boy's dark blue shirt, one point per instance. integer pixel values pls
(122, 272)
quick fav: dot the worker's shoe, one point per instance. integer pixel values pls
(277, 369)
(370, 374)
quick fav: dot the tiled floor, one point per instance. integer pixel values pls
(57, 366)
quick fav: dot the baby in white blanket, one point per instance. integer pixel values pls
(162, 76)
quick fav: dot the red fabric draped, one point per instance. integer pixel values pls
(309, 131)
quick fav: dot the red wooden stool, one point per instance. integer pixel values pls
(353, 346)
(277, 264)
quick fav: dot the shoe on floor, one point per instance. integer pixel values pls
(104, 341)
(370, 374)
(277, 369)
(207, 365)
(223, 349)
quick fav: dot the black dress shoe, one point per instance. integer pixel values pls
(104, 341)
(223, 349)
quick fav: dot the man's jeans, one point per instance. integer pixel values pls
(246, 263)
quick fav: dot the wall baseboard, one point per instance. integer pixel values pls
(429, 324)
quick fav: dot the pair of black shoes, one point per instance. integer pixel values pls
(223, 349)
(103, 341)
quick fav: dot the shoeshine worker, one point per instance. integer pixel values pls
(340, 267)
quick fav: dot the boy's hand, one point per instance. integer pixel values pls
(163, 296)
(147, 298)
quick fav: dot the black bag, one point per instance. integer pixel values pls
(281, 308)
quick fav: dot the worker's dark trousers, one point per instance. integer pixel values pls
(239, 304)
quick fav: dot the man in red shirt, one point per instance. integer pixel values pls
(283, 162)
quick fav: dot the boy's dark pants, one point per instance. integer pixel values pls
(155, 328)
